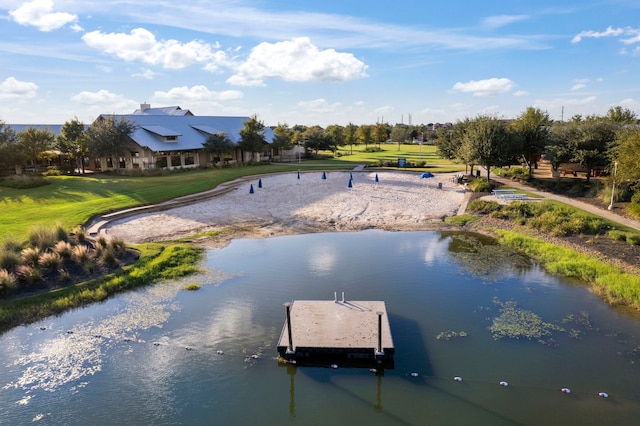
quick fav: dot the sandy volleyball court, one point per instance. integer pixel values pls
(287, 204)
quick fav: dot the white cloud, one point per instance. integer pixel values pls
(148, 74)
(578, 86)
(39, 13)
(15, 89)
(296, 60)
(319, 105)
(141, 45)
(609, 32)
(488, 87)
(196, 94)
(520, 93)
(502, 20)
(99, 97)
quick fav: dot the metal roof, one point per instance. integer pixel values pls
(191, 131)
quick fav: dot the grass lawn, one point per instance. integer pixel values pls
(72, 200)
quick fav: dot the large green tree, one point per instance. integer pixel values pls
(335, 136)
(109, 136)
(351, 135)
(621, 116)
(219, 145)
(283, 138)
(36, 144)
(532, 127)
(252, 136)
(10, 156)
(488, 142)
(365, 134)
(589, 142)
(72, 141)
(628, 155)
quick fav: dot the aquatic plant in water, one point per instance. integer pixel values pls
(517, 323)
(450, 334)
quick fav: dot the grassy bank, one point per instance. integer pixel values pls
(156, 263)
(615, 286)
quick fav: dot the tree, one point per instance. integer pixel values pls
(252, 136)
(283, 137)
(380, 134)
(335, 136)
(532, 127)
(628, 155)
(350, 135)
(109, 136)
(365, 135)
(219, 145)
(619, 115)
(73, 142)
(446, 146)
(35, 144)
(557, 150)
(590, 141)
(10, 155)
(400, 133)
(487, 141)
(315, 138)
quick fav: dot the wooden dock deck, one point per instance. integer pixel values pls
(348, 329)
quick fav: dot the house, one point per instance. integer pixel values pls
(170, 137)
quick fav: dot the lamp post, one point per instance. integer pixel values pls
(298, 152)
(613, 187)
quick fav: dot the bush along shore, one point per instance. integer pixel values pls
(155, 262)
(567, 242)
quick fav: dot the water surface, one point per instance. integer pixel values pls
(151, 356)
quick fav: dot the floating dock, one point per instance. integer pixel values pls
(332, 328)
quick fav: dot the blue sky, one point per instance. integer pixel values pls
(318, 62)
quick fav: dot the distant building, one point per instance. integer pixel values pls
(170, 137)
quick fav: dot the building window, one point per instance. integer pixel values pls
(171, 138)
(175, 161)
(189, 160)
(121, 163)
(109, 163)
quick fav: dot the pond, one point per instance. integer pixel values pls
(458, 305)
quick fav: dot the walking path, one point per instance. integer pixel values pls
(607, 214)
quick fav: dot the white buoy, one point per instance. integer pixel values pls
(189, 348)
(457, 379)
(219, 352)
(373, 370)
(603, 395)
(565, 390)
(334, 366)
(503, 383)
(414, 374)
(254, 356)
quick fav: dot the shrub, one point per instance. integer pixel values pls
(633, 239)
(192, 287)
(43, 237)
(483, 206)
(616, 235)
(7, 283)
(52, 171)
(12, 245)
(81, 254)
(80, 234)
(89, 266)
(24, 181)
(61, 233)
(64, 249)
(29, 275)
(9, 259)
(102, 241)
(118, 245)
(108, 256)
(480, 185)
(30, 255)
(50, 260)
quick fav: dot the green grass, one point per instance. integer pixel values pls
(615, 286)
(72, 200)
(156, 263)
(413, 153)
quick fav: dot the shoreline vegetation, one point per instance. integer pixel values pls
(513, 226)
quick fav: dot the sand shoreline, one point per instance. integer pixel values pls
(284, 203)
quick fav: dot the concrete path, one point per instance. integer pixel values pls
(602, 212)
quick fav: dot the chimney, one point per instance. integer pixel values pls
(144, 107)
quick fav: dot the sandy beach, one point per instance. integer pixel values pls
(285, 204)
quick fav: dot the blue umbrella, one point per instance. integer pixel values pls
(426, 175)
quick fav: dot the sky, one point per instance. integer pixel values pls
(318, 62)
